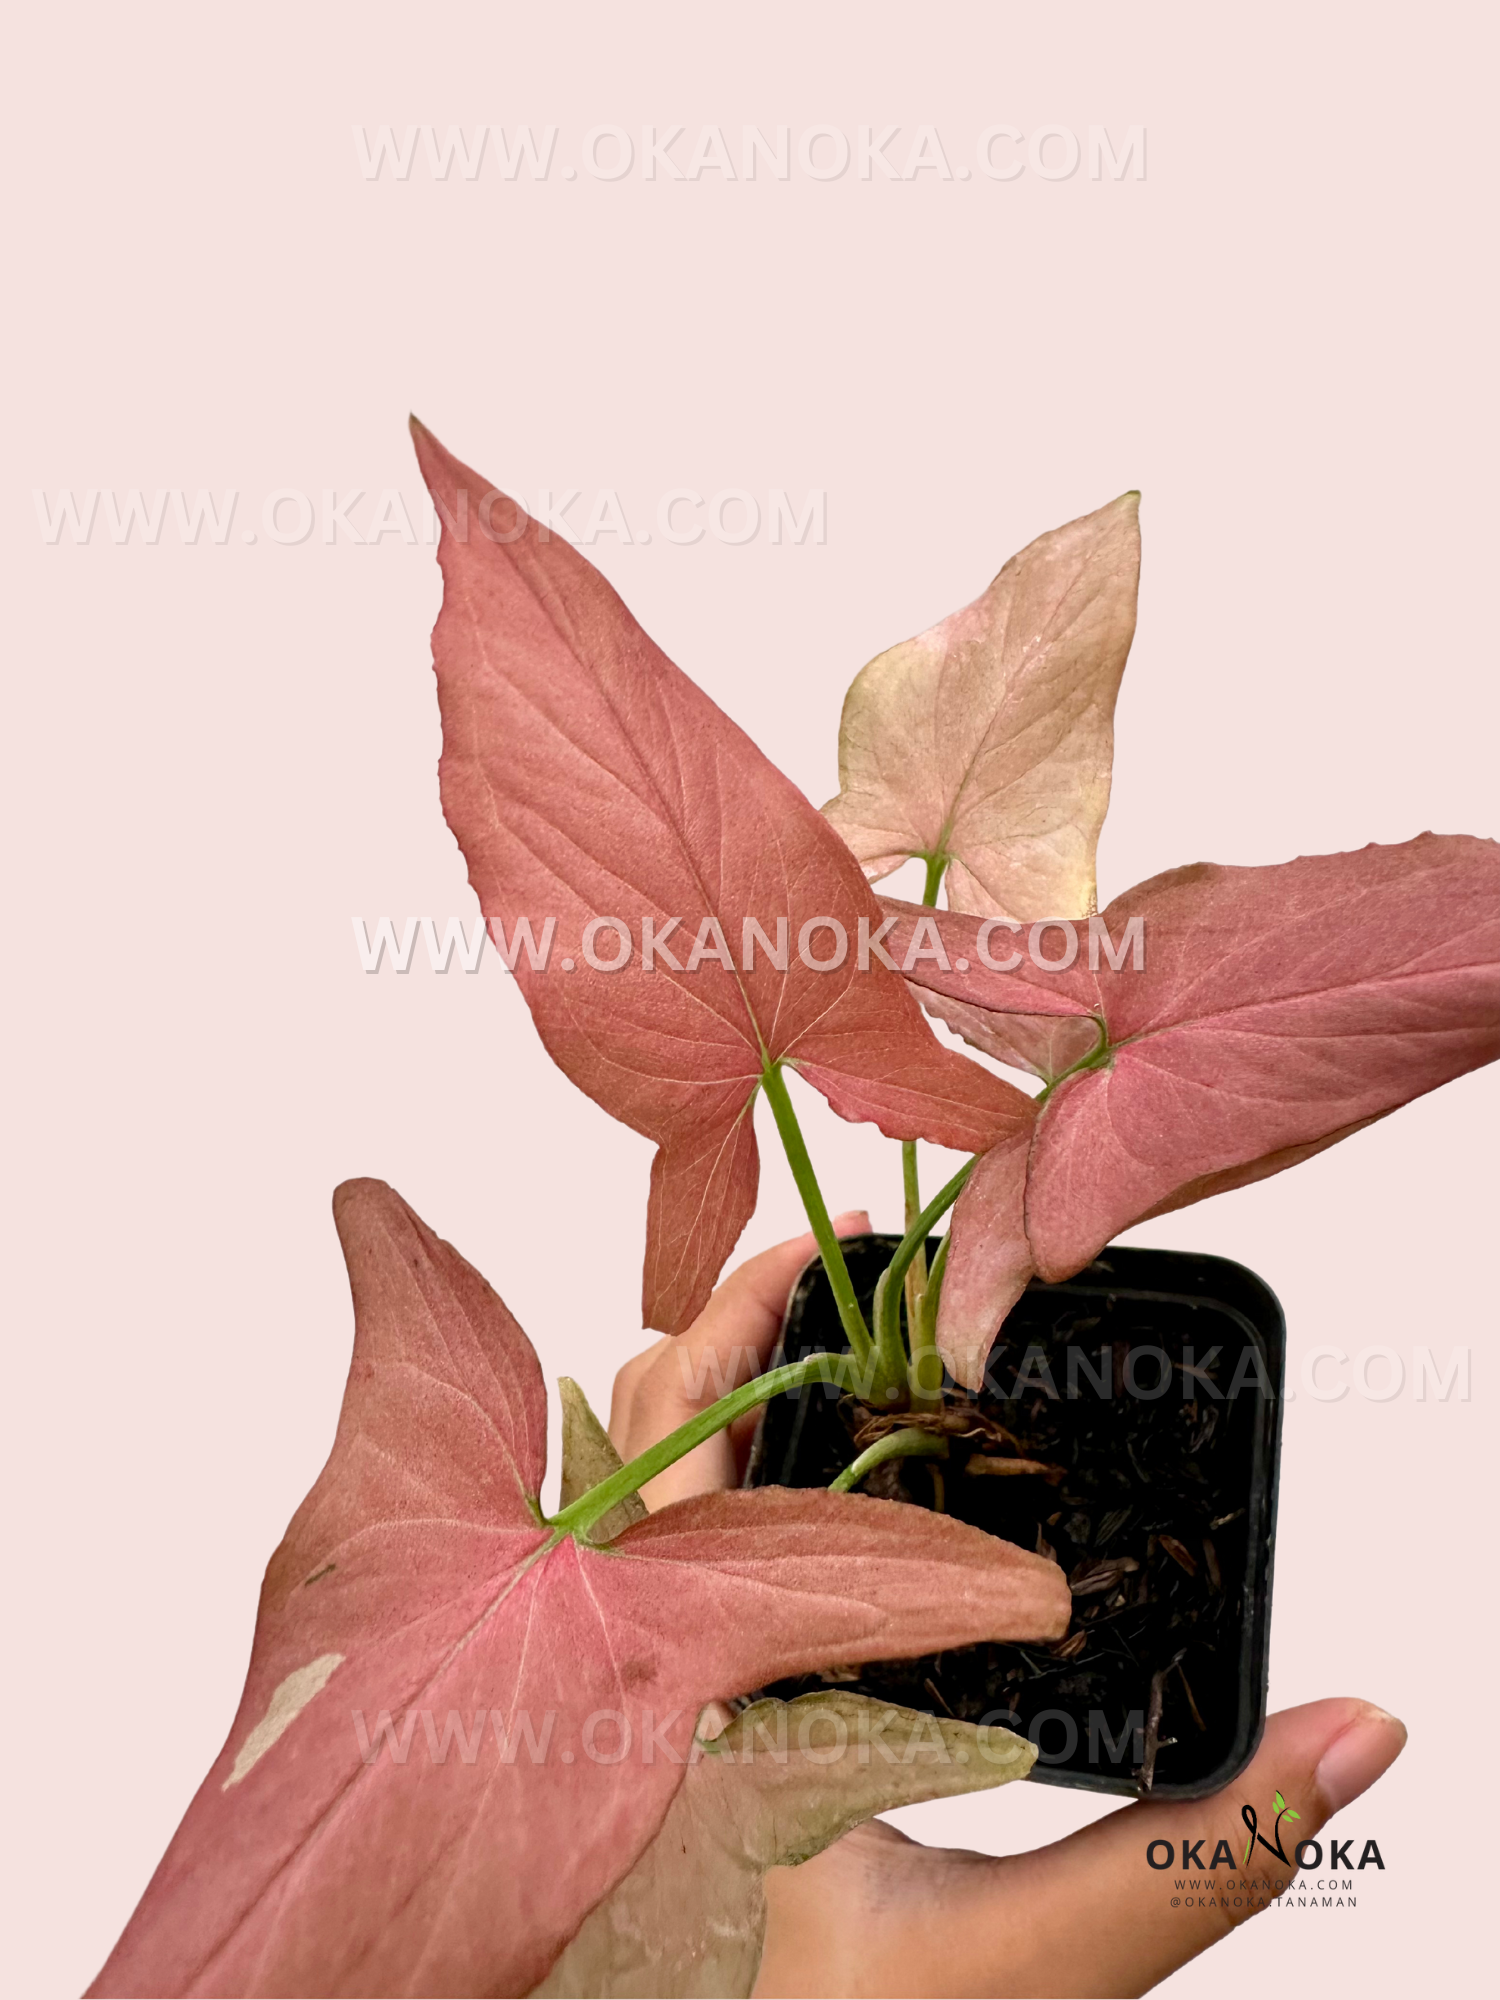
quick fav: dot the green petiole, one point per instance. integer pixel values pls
(926, 1362)
(875, 1368)
(890, 1354)
(850, 1316)
(895, 1444)
(595, 1504)
(916, 1277)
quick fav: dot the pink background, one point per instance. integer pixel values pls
(1284, 335)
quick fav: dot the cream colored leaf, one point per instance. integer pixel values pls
(987, 742)
(784, 1781)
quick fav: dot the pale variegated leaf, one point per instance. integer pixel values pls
(985, 744)
(783, 1781)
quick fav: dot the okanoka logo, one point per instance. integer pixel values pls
(1279, 1842)
(1305, 1853)
(1257, 1838)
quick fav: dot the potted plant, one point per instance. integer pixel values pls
(470, 1740)
(1211, 1026)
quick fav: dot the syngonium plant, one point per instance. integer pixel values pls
(659, 866)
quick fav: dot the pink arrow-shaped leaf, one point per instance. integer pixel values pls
(1279, 1009)
(587, 779)
(460, 1730)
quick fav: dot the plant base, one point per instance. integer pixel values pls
(1149, 1388)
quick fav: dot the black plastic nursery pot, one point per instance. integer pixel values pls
(1148, 1391)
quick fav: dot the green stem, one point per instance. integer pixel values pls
(916, 1277)
(926, 1362)
(910, 1189)
(890, 1358)
(582, 1513)
(888, 1385)
(895, 1444)
(840, 1283)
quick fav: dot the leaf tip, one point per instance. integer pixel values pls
(363, 1193)
(430, 454)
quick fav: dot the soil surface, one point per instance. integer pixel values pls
(1149, 1404)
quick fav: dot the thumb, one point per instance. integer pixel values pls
(1145, 1921)
(741, 1321)
(729, 1343)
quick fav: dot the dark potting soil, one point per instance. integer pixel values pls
(1148, 1388)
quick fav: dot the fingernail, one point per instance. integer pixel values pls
(1358, 1755)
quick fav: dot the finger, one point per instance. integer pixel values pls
(727, 1345)
(730, 1341)
(1086, 1916)
(1143, 1922)
(864, 1917)
(742, 1321)
(741, 1434)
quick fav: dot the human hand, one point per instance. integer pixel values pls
(728, 1344)
(877, 1913)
